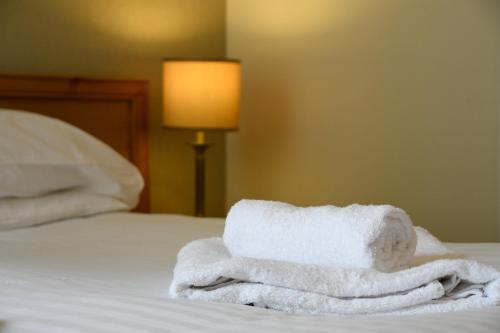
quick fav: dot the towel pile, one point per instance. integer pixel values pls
(351, 260)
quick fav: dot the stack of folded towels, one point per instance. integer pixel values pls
(350, 260)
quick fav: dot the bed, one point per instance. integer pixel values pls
(111, 272)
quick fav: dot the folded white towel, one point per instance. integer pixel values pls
(429, 248)
(357, 236)
(206, 271)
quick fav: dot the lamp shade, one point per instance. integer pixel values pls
(201, 94)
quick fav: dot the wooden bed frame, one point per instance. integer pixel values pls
(115, 111)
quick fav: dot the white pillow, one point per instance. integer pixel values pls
(40, 155)
(25, 212)
(29, 180)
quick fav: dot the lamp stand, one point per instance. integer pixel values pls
(200, 146)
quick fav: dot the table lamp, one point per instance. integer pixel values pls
(201, 95)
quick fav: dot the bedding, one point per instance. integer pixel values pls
(111, 272)
(40, 156)
(24, 212)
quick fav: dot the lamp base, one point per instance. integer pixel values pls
(200, 146)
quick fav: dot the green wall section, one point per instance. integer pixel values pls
(387, 101)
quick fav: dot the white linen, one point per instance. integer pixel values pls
(25, 180)
(430, 248)
(24, 212)
(125, 251)
(111, 272)
(206, 271)
(356, 236)
(40, 155)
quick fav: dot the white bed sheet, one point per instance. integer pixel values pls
(135, 252)
(110, 273)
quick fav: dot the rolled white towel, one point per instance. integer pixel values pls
(375, 236)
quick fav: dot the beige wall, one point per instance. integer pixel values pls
(124, 39)
(387, 101)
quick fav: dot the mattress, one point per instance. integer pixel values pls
(111, 272)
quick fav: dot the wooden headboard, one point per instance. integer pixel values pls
(115, 111)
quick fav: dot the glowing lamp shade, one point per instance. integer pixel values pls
(201, 94)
